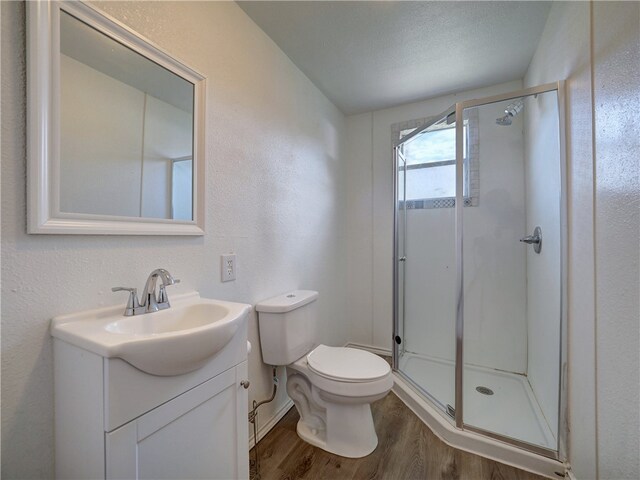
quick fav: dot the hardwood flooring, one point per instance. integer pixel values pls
(407, 450)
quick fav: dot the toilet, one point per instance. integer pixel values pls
(331, 387)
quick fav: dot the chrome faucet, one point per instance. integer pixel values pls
(150, 301)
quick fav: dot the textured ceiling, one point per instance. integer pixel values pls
(370, 55)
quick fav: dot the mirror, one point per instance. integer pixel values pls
(117, 130)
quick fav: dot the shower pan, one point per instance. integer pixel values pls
(479, 315)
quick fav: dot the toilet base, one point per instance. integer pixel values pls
(350, 439)
(340, 425)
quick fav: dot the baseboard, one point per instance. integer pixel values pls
(266, 428)
(377, 350)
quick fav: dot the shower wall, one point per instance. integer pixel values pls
(495, 269)
(494, 260)
(542, 149)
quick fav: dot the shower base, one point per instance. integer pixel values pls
(512, 410)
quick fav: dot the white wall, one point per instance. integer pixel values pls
(616, 90)
(602, 136)
(275, 194)
(360, 214)
(370, 213)
(543, 188)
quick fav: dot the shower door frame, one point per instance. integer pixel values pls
(398, 329)
(560, 453)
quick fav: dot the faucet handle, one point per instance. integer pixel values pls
(132, 302)
(162, 294)
(126, 289)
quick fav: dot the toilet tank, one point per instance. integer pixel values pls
(287, 326)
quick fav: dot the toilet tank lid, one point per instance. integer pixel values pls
(287, 301)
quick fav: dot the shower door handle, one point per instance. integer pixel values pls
(402, 259)
(535, 239)
(530, 239)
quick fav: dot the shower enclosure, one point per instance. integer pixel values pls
(479, 266)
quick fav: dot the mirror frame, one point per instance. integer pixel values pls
(43, 127)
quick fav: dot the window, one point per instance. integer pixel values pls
(431, 163)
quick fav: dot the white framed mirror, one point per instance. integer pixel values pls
(116, 128)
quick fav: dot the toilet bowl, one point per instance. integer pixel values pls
(334, 407)
(331, 387)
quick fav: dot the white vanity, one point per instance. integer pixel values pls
(187, 419)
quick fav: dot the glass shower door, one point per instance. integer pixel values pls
(480, 249)
(512, 272)
(425, 260)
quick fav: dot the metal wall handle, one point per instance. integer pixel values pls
(530, 239)
(535, 239)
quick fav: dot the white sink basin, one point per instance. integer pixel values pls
(170, 342)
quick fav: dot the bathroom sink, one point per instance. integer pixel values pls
(174, 341)
(178, 320)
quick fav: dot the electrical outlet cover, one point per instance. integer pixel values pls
(228, 267)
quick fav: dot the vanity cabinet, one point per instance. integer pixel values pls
(191, 436)
(114, 421)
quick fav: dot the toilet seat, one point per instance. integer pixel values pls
(345, 364)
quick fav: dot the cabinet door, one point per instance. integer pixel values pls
(202, 434)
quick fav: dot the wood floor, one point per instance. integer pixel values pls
(407, 449)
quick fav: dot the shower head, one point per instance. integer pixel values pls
(504, 121)
(513, 109)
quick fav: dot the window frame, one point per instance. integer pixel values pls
(471, 161)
